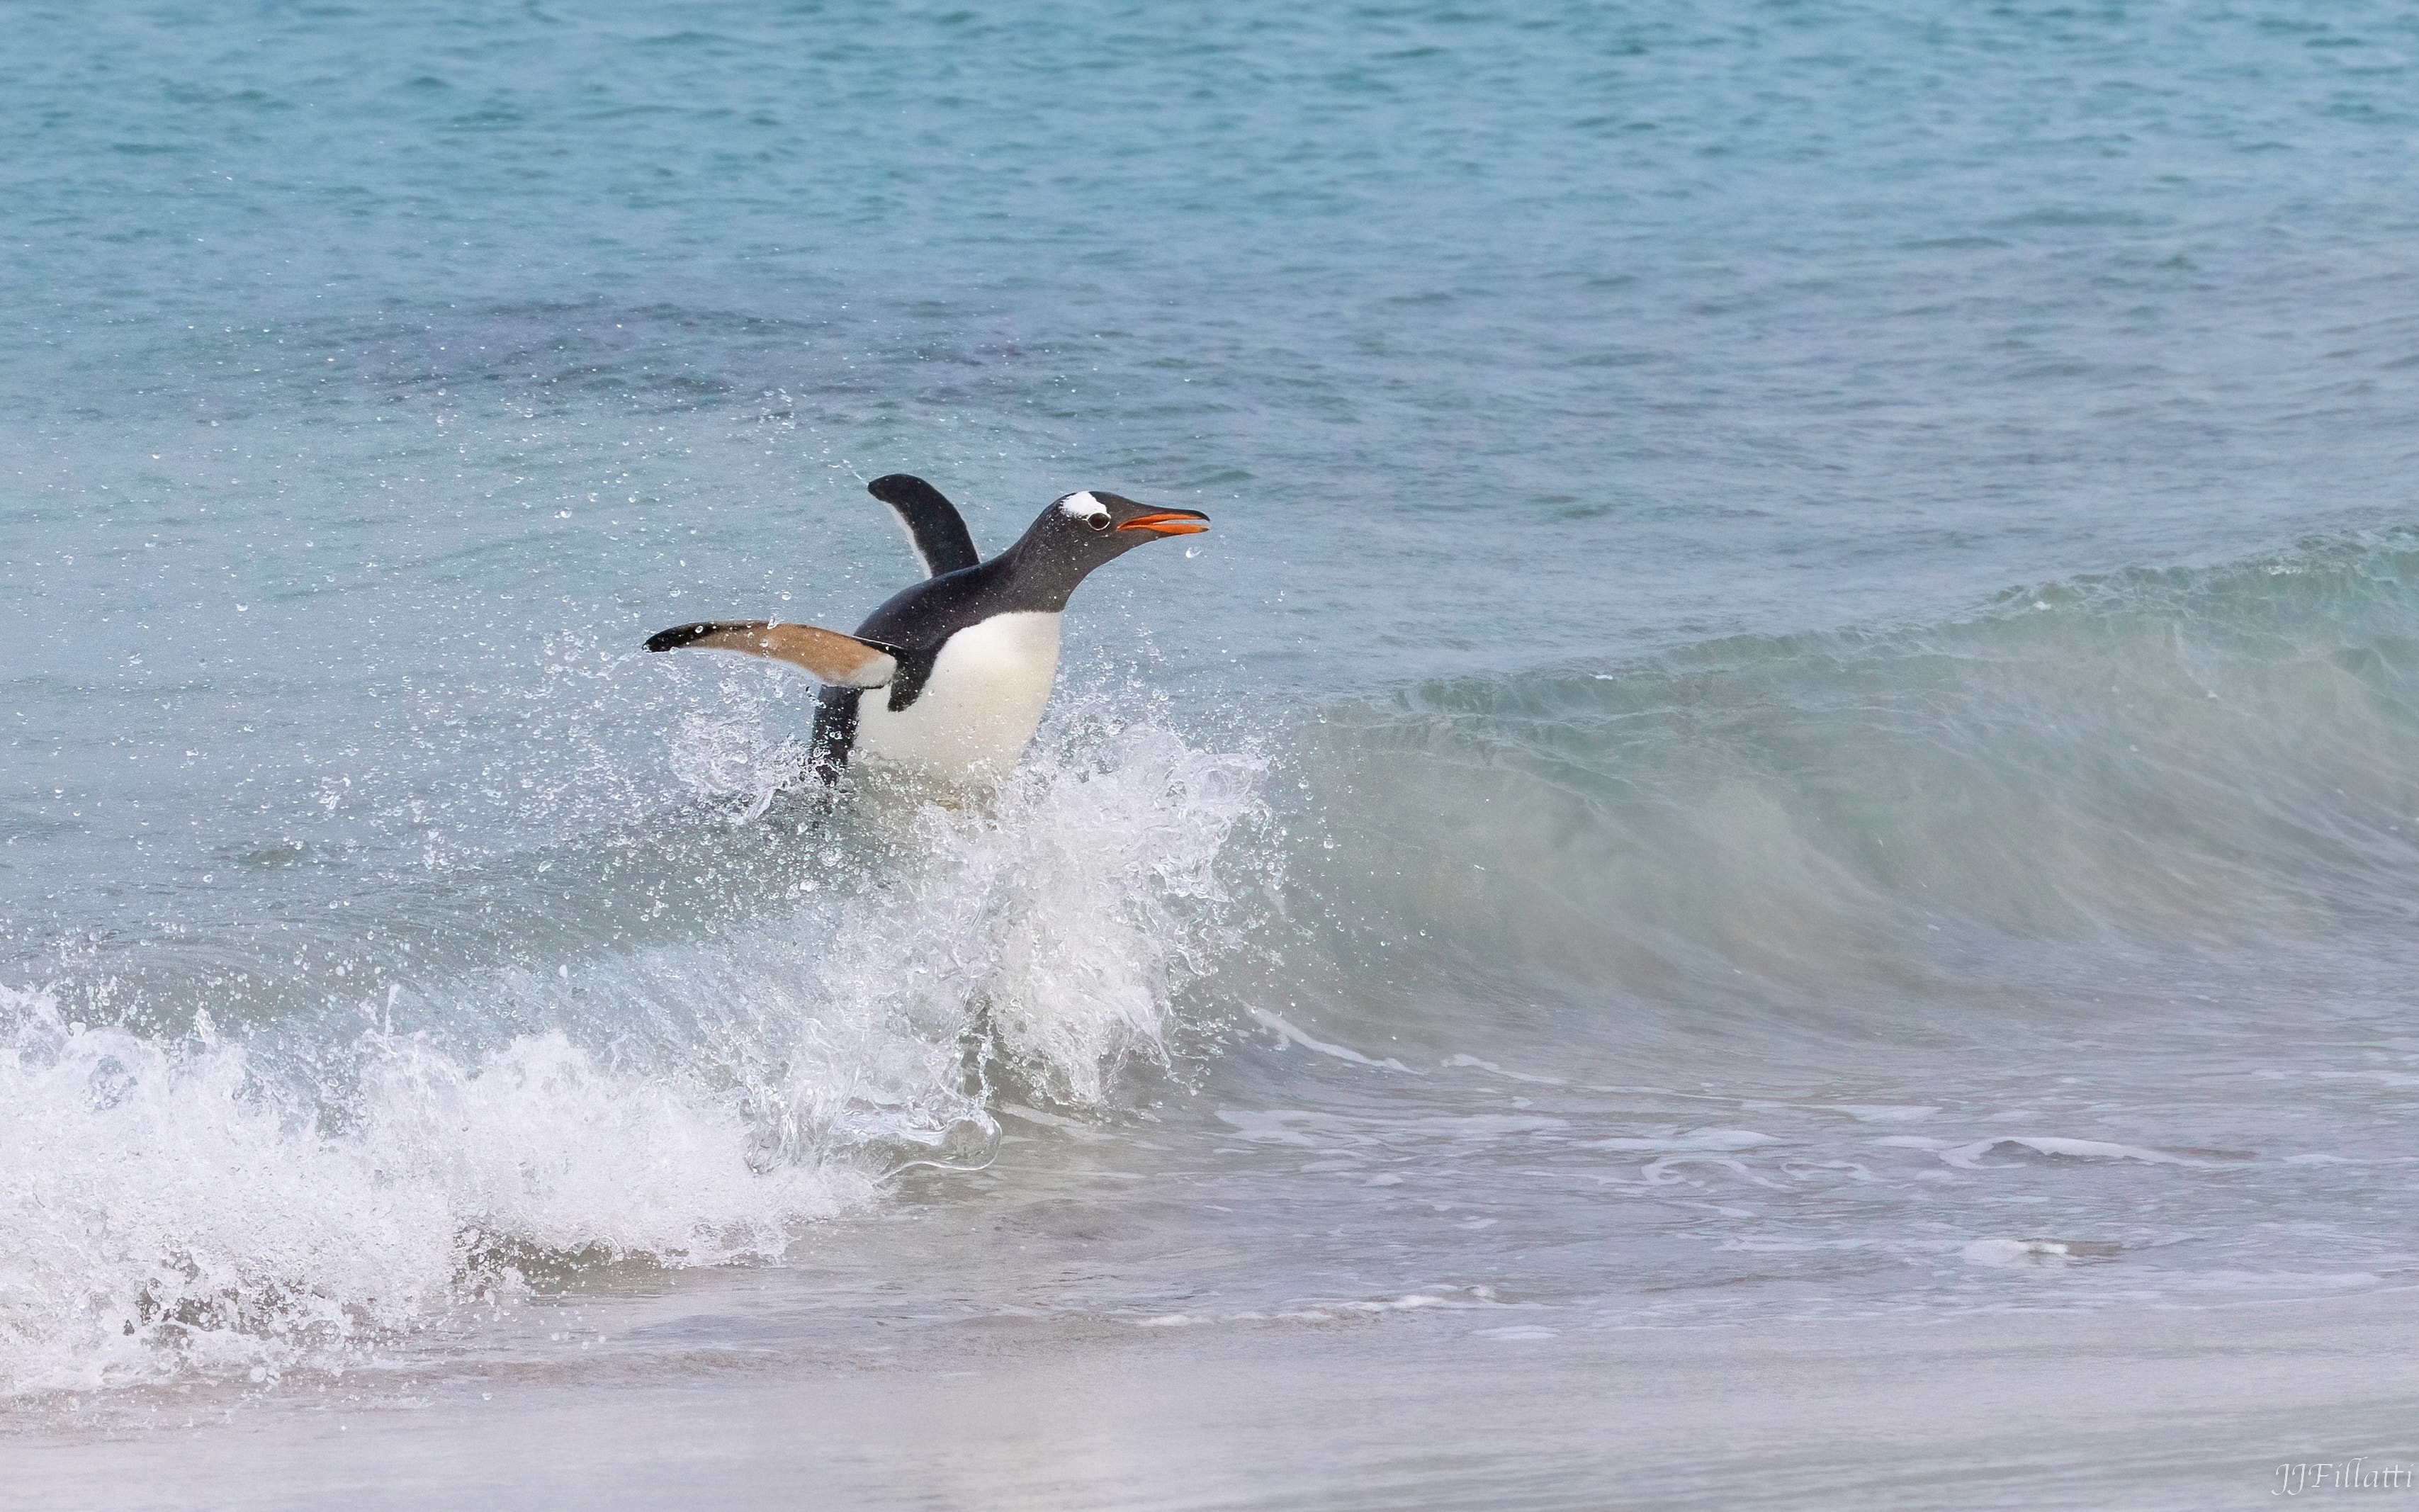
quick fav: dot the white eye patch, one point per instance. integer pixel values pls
(1083, 506)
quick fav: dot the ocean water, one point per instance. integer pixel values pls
(1768, 858)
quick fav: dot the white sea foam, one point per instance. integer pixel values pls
(1517, 1333)
(2040, 1253)
(1693, 1139)
(1289, 1034)
(1969, 1156)
(1097, 895)
(170, 1203)
(1473, 1063)
(164, 1204)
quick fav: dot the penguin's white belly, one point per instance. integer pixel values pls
(980, 707)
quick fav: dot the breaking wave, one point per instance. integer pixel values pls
(693, 1037)
(293, 1190)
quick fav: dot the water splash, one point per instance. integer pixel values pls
(223, 1201)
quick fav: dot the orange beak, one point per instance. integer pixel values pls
(1169, 522)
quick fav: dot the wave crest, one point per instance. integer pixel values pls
(245, 1200)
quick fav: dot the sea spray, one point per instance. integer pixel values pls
(203, 1200)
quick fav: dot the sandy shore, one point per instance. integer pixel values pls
(2184, 1409)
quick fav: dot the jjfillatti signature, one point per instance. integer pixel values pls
(2340, 1475)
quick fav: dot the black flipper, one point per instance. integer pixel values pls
(932, 524)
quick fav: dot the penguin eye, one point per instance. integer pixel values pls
(1099, 521)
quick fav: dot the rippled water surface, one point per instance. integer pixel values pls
(1800, 713)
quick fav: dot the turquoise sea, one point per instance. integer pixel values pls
(1768, 858)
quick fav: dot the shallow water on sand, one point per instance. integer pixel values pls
(1796, 729)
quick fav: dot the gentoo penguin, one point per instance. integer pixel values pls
(949, 677)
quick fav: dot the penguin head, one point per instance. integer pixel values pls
(1088, 528)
